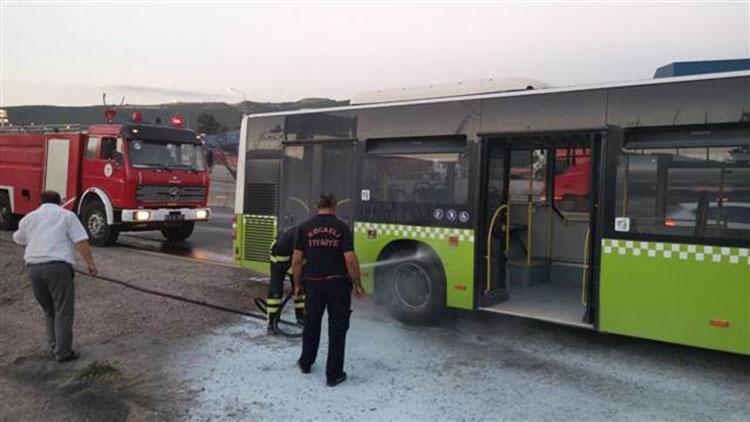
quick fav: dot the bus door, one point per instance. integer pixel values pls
(334, 174)
(540, 232)
(296, 185)
(573, 186)
(496, 209)
(312, 169)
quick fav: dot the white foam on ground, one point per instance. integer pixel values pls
(398, 372)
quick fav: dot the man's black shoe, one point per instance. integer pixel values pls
(336, 381)
(69, 357)
(302, 368)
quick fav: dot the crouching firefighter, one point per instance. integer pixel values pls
(281, 262)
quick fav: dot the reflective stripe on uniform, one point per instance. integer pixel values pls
(279, 258)
(272, 306)
(299, 302)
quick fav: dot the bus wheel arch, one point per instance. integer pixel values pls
(412, 287)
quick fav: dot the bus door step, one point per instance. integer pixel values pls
(522, 275)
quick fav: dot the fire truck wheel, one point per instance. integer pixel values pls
(178, 233)
(415, 288)
(94, 218)
(7, 220)
(568, 204)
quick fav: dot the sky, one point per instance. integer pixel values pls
(68, 53)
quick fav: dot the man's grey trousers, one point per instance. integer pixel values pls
(54, 290)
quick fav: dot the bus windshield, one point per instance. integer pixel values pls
(166, 154)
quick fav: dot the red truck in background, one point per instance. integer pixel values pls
(116, 177)
(573, 179)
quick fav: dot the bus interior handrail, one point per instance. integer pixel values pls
(584, 270)
(490, 230)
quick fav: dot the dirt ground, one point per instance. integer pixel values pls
(112, 326)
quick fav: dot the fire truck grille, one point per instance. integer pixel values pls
(159, 193)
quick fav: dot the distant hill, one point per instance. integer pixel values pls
(228, 115)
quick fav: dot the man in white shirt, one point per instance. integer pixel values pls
(50, 233)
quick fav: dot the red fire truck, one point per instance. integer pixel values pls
(117, 177)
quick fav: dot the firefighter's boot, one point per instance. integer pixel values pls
(272, 313)
(299, 309)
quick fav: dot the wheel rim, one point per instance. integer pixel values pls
(95, 224)
(411, 286)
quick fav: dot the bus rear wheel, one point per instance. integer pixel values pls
(178, 233)
(414, 288)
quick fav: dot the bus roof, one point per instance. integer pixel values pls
(646, 82)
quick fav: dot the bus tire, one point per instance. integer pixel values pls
(178, 233)
(94, 219)
(414, 289)
(7, 219)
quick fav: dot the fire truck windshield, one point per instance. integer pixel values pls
(166, 155)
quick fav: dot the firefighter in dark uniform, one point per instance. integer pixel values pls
(281, 261)
(325, 266)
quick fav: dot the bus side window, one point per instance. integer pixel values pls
(91, 148)
(699, 192)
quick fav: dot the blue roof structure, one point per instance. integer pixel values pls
(221, 139)
(702, 67)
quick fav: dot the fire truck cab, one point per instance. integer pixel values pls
(116, 177)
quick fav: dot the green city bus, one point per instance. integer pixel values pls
(623, 208)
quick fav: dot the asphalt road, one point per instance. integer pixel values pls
(210, 241)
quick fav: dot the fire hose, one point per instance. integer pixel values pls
(255, 315)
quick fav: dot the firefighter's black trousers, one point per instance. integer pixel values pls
(336, 296)
(276, 291)
(276, 284)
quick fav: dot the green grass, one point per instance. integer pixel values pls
(99, 371)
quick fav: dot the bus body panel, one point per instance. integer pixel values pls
(685, 293)
(699, 102)
(688, 294)
(535, 113)
(420, 120)
(454, 247)
(676, 298)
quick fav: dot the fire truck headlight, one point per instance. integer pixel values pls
(201, 214)
(141, 215)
